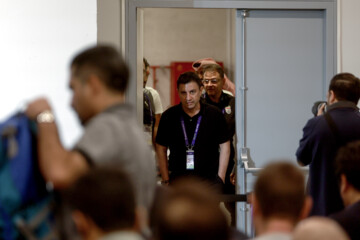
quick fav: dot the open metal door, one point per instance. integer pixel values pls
(281, 72)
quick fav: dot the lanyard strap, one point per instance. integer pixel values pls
(195, 134)
(149, 103)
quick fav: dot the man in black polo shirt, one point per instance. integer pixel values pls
(196, 135)
(213, 80)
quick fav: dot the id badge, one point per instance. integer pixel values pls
(190, 159)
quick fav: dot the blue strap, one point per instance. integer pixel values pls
(8, 227)
(195, 134)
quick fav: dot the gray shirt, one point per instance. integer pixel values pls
(113, 138)
(275, 236)
(122, 235)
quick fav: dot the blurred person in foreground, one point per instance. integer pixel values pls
(347, 166)
(190, 210)
(279, 201)
(103, 205)
(111, 137)
(319, 228)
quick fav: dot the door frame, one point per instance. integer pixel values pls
(133, 53)
(131, 29)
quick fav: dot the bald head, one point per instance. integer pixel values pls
(319, 228)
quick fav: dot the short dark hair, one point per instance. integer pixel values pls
(107, 63)
(191, 211)
(146, 63)
(345, 87)
(213, 68)
(280, 191)
(347, 162)
(187, 77)
(105, 195)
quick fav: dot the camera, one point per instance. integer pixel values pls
(317, 106)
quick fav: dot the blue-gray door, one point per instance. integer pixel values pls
(282, 71)
(284, 75)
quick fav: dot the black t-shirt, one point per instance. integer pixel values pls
(212, 132)
(227, 106)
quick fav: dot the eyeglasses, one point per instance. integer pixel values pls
(213, 81)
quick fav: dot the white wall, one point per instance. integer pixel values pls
(109, 22)
(185, 35)
(161, 32)
(349, 36)
(38, 39)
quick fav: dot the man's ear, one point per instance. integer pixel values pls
(344, 184)
(258, 219)
(305, 211)
(332, 97)
(255, 205)
(223, 81)
(95, 84)
(201, 88)
(82, 223)
(86, 227)
(140, 218)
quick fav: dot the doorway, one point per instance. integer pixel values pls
(266, 52)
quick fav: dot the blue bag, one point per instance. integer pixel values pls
(25, 203)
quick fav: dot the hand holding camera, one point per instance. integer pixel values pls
(319, 108)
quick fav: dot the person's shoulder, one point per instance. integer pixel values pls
(228, 93)
(172, 111)
(316, 121)
(211, 111)
(316, 125)
(123, 110)
(229, 98)
(116, 115)
(338, 216)
(152, 90)
(351, 212)
(210, 108)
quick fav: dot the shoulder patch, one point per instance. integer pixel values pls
(228, 110)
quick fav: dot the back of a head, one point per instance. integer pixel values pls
(107, 63)
(106, 196)
(319, 228)
(347, 162)
(280, 191)
(346, 87)
(187, 77)
(213, 68)
(191, 212)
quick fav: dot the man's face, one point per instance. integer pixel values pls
(146, 73)
(81, 97)
(189, 95)
(213, 83)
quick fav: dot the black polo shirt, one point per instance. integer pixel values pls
(212, 132)
(227, 106)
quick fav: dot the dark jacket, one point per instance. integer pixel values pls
(318, 147)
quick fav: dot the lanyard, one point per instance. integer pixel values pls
(195, 134)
